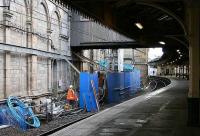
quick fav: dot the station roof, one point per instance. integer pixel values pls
(163, 21)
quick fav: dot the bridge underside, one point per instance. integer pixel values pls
(112, 45)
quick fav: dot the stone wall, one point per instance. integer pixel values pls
(1, 22)
(39, 24)
(18, 75)
(1, 75)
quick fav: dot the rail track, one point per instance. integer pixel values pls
(51, 131)
(76, 116)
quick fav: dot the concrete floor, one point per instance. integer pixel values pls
(159, 113)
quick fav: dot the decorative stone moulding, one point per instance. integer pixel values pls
(7, 16)
(29, 22)
(49, 31)
(64, 37)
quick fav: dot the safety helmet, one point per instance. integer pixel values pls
(71, 86)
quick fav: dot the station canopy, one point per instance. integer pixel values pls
(149, 22)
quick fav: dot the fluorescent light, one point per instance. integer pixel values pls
(139, 25)
(178, 50)
(162, 17)
(161, 42)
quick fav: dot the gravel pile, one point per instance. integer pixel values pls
(11, 131)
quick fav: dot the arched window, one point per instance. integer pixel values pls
(55, 27)
(18, 23)
(40, 25)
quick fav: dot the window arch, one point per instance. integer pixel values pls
(56, 28)
(18, 8)
(41, 24)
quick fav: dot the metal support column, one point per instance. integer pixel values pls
(193, 11)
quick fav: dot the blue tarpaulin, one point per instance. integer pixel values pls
(128, 67)
(114, 84)
(88, 91)
(121, 84)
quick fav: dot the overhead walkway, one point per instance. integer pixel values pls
(159, 113)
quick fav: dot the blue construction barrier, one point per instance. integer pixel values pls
(113, 82)
(128, 80)
(87, 98)
(128, 67)
(122, 84)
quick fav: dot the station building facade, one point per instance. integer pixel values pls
(30, 30)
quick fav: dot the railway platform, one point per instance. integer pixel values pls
(159, 113)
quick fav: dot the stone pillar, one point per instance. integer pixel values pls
(49, 41)
(49, 76)
(193, 12)
(49, 69)
(29, 45)
(6, 21)
(7, 15)
(7, 90)
(29, 75)
(33, 74)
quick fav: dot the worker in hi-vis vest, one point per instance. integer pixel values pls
(71, 96)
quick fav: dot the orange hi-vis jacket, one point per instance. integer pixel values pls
(71, 95)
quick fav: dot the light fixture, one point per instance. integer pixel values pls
(139, 25)
(178, 50)
(163, 17)
(181, 55)
(162, 42)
